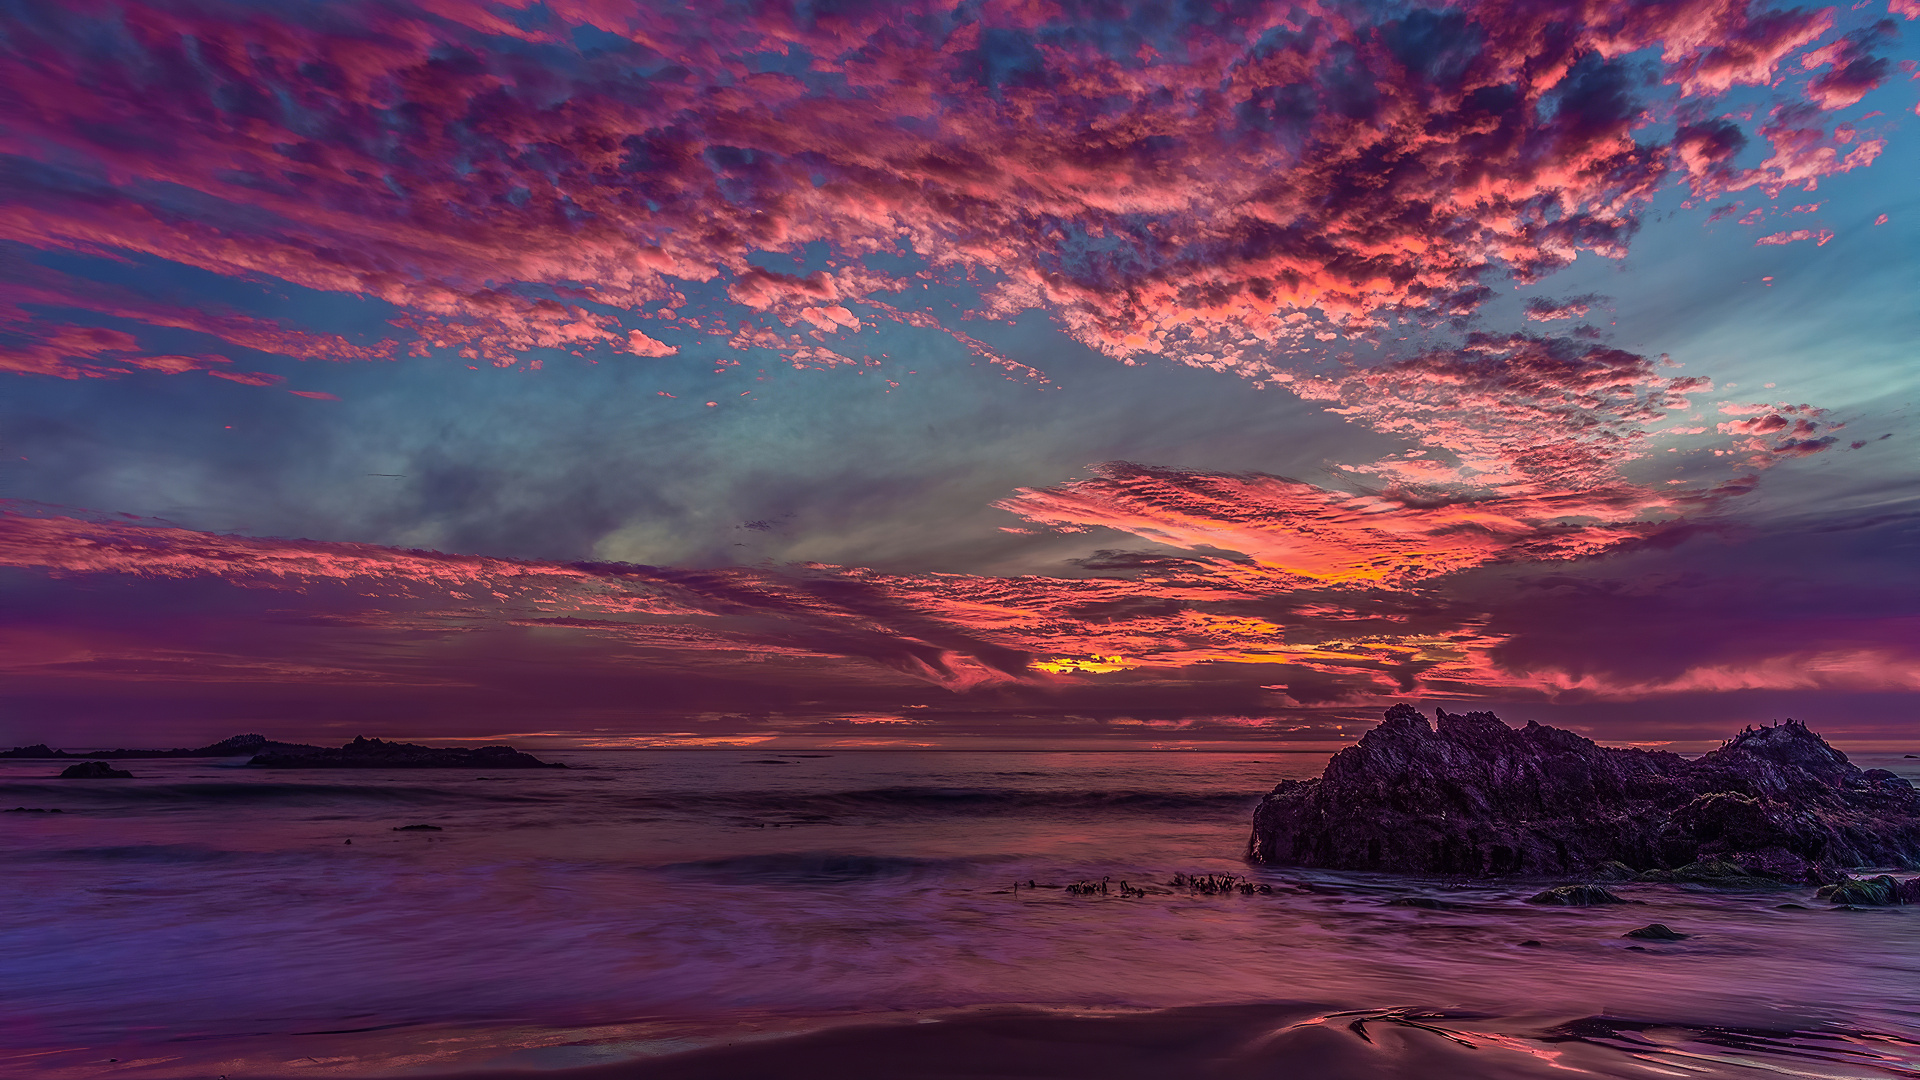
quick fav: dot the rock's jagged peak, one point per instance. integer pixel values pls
(1405, 721)
(1463, 727)
(250, 741)
(1404, 717)
(1790, 741)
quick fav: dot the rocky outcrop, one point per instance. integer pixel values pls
(1576, 896)
(37, 750)
(1471, 796)
(364, 753)
(94, 770)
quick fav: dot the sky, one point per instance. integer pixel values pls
(1004, 375)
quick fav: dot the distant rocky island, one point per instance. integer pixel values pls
(230, 747)
(361, 753)
(1474, 797)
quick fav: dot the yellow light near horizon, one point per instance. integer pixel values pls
(1096, 665)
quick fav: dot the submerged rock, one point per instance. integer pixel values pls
(1655, 932)
(1469, 795)
(1576, 896)
(364, 753)
(94, 770)
(1882, 891)
(1727, 875)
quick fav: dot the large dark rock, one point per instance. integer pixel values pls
(1474, 797)
(364, 753)
(94, 770)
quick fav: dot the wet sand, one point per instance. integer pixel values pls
(1266, 1041)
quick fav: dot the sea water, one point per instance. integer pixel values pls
(208, 911)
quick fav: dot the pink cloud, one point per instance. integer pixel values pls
(1854, 69)
(48, 345)
(641, 345)
(1512, 144)
(1819, 236)
(249, 378)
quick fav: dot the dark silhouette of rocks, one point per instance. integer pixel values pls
(1656, 932)
(94, 770)
(361, 753)
(364, 753)
(37, 750)
(1882, 891)
(234, 746)
(31, 810)
(1576, 896)
(415, 828)
(1471, 796)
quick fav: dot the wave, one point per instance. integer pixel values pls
(165, 854)
(819, 806)
(804, 868)
(123, 793)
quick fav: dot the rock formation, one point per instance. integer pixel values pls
(94, 770)
(364, 753)
(1475, 797)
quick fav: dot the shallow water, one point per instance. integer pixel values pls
(205, 908)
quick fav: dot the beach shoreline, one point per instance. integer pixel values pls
(1267, 1039)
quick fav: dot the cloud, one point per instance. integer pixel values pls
(1227, 188)
(1545, 309)
(1854, 69)
(1134, 634)
(1228, 185)
(1819, 236)
(641, 345)
(38, 336)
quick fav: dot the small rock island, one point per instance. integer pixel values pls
(94, 770)
(365, 753)
(1474, 797)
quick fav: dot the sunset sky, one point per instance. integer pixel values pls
(1007, 374)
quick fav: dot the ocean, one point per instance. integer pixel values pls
(717, 913)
